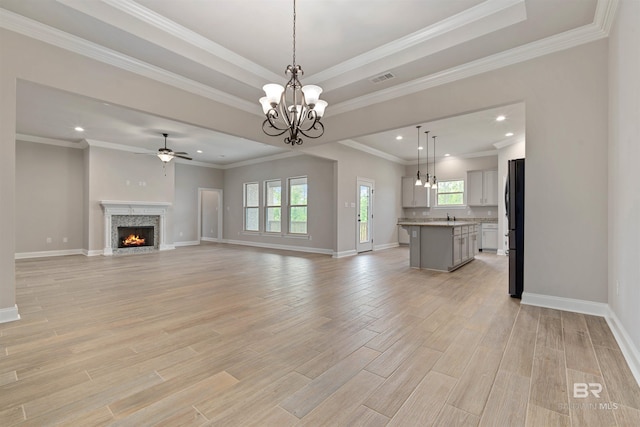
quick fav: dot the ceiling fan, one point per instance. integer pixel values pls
(166, 154)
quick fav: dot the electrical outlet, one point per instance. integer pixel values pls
(49, 240)
(424, 213)
(65, 240)
(490, 213)
(180, 234)
(617, 287)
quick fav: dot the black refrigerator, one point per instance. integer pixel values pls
(514, 206)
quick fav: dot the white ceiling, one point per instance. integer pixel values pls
(226, 50)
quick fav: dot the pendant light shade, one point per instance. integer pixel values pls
(418, 180)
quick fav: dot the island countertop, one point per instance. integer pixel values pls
(437, 223)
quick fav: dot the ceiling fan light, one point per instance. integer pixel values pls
(165, 157)
(274, 93)
(311, 94)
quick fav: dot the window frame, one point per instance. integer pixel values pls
(291, 207)
(463, 192)
(246, 207)
(268, 206)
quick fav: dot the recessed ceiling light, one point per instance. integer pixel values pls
(500, 118)
(447, 155)
(199, 151)
(420, 148)
(508, 134)
(79, 129)
(399, 137)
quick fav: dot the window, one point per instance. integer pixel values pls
(273, 203)
(251, 206)
(451, 193)
(298, 205)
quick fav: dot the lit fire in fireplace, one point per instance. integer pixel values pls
(133, 240)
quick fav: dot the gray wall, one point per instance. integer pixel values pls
(351, 165)
(49, 197)
(624, 174)
(125, 176)
(320, 198)
(185, 210)
(565, 94)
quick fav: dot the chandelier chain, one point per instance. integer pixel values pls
(294, 33)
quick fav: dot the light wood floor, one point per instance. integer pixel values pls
(235, 336)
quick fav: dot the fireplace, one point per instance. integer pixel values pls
(134, 227)
(135, 237)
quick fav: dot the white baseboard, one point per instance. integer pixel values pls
(45, 254)
(9, 314)
(210, 239)
(280, 247)
(501, 252)
(167, 247)
(344, 254)
(94, 252)
(566, 304)
(629, 350)
(386, 246)
(191, 243)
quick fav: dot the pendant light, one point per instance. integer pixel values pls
(427, 184)
(434, 181)
(418, 180)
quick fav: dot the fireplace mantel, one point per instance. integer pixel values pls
(119, 207)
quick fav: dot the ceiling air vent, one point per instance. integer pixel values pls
(382, 77)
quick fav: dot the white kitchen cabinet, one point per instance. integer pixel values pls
(489, 236)
(414, 196)
(482, 188)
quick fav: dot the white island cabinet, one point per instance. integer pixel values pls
(441, 245)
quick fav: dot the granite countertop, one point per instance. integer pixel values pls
(423, 220)
(444, 223)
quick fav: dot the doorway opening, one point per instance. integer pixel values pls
(210, 215)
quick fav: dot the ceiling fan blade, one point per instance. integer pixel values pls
(182, 157)
(180, 152)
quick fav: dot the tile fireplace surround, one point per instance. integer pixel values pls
(125, 213)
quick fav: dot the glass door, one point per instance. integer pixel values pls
(364, 215)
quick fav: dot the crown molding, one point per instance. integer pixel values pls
(563, 41)
(479, 20)
(506, 143)
(30, 28)
(51, 141)
(113, 146)
(604, 17)
(373, 151)
(252, 73)
(197, 163)
(250, 162)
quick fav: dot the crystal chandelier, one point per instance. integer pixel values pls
(295, 109)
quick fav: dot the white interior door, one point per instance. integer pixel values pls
(364, 215)
(210, 214)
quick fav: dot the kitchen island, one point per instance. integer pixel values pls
(441, 245)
